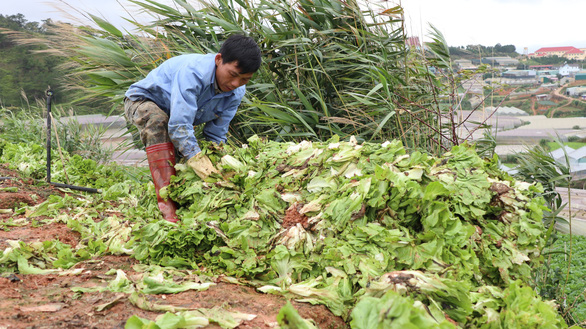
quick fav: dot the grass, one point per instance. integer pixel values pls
(561, 277)
(566, 281)
(569, 112)
(27, 125)
(575, 145)
(522, 104)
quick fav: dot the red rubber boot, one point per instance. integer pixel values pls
(161, 159)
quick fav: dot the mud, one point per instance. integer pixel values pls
(293, 217)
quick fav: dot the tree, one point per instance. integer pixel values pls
(21, 70)
(509, 49)
(497, 48)
(476, 51)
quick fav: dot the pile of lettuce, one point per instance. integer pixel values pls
(383, 238)
(377, 235)
(30, 160)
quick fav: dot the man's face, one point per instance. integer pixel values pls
(228, 75)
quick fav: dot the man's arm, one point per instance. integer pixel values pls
(214, 131)
(217, 129)
(183, 105)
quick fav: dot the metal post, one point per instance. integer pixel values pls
(49, 93)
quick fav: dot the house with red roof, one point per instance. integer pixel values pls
(575, 54)
(567, 52)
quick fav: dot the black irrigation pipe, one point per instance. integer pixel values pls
(80, 188)
(73, 187)
(49, 94)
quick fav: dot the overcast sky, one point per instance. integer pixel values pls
(522, 23)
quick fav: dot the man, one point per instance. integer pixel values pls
(185, 91)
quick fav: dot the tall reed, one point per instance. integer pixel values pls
(330, 67)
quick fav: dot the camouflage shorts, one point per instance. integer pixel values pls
(150, 120)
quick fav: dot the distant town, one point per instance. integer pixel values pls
(535, 73)
(528, 104)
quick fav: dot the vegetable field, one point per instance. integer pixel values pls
(49, 295)
(292, 235)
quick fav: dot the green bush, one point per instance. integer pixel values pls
(574, 139)
(562, 279)
(28, 126)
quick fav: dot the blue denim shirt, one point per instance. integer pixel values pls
(183, 87)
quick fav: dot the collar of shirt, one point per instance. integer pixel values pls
(216, 87)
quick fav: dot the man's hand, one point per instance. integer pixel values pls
(202, 165)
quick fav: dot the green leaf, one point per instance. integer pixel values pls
(288, 318)
(106, 26)
(134, 322)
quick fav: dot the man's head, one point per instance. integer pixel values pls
(238, 59)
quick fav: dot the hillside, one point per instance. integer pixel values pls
(22, 72)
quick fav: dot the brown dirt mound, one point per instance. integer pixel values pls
(293, 217)
(16, 192)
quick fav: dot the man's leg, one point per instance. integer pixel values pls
(152, 122)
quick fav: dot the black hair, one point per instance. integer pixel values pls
(242, 49)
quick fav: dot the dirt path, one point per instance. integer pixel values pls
(558, 108)
(533, 101)
(557, 93)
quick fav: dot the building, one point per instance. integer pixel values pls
(543, 97)
(568, 70)
(520, 74)
(550, 86)
(464, 64)
(559, 155)
(500, 61)
(510, 171)
(576, 91)
(547, 75)
(541, 67)
(576, 160)
(506, 111)
(567, 52)
(576, 54)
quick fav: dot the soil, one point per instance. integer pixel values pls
(293, 217)
(47, 301)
